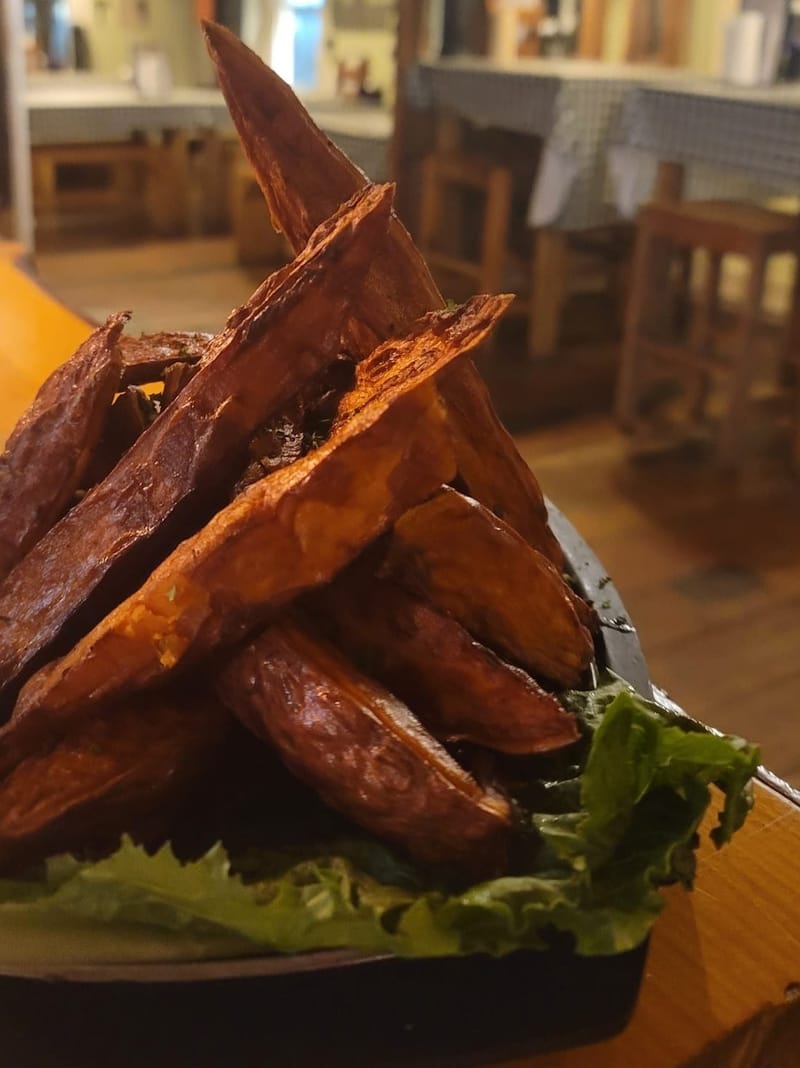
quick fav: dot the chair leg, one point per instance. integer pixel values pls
(430, 206)
(790, 341)
(44, 183)
(789, 369)
(703, 334)
(626, 404)
(496, 218)
(681, 291)
(729, 447)
(548, 292)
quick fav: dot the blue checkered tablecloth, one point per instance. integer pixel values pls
(605, 126)
(572, 104)
(734, 142)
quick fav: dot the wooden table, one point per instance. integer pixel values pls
(748, 137)
(572, 105)
(70, 110)
(723, 973)
(752, 133)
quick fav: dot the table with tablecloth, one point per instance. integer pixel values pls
(597, 121)
(76, 110)
(718, 139)
(571, 104)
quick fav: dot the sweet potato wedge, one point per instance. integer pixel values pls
(362, 750)
(124, 770)
(146, 358)
(470, 564)
(286, 534)
(461, 690)
(50, 448)
(304, 423)
(304, 177)
(180, 469)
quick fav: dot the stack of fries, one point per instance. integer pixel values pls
(311, 524)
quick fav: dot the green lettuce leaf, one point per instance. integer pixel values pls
(608, 834)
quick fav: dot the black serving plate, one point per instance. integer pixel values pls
(338, 1008)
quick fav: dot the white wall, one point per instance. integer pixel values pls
(113, 29)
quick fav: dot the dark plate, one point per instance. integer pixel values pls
(338, 1008)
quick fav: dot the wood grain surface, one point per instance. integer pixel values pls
(720, 958)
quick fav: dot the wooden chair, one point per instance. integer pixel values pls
(134, 181)
(81, 176)
(254, 237)
(665, 233)
(541, 277)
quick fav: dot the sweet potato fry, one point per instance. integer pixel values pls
(145, 358)
(362, 750)
(286, 534)
(303, 424)
(469, 563)
(125, 770)
(304, 177)
(126, 420)
(459, 689)
(50, 447)
(175, 378)
(184, 464)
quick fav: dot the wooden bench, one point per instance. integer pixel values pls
(667, 233)
(136, 181)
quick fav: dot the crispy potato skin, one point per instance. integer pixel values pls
(147, 357)
(470, 564)
(460, 689)
(284, 535)
(50, 448)
(182, 466)
(362, 750)
(304, 178)
(121, 771)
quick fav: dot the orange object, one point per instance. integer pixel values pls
(38, 333)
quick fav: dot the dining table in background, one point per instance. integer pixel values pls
(76, 110)
(669, 135)
(572, 105)
(722, 978)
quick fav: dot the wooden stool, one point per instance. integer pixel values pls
(666, 232)
(444, 171)
(543, 279)
(86, 176)
(253, 234)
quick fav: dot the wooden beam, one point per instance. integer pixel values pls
(592, 26)
(674, 22)
(411, 23)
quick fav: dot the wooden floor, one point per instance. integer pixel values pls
(709, 566)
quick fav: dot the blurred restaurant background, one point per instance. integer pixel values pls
(630, 169)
